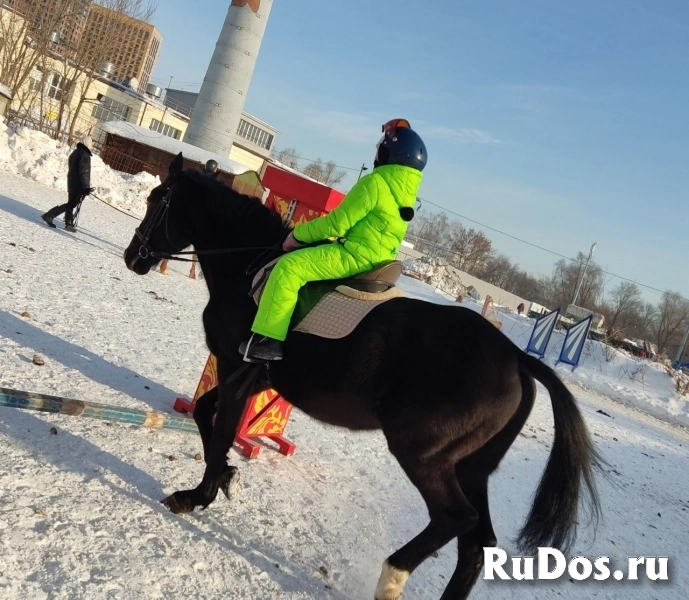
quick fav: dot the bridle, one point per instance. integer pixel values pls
(161, 213)
(145, 230)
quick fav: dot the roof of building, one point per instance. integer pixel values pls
(171, 100)
(5, 91)
(289, 169)
(167, 144)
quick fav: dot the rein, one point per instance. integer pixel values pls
(177, 254)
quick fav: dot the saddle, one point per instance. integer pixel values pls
(333, 308)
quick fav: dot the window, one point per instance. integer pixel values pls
(254, 134)
(57, 86)
(36, 80)
(165, 129)
(110, 110)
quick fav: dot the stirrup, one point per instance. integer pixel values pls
(252, 359)
(245, 354)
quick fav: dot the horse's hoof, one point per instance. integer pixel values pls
(230, 482)
(176, 506)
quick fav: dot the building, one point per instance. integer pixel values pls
(407, 252)
(134, 48)
(65, 22)
(153, 153)
(252, 136)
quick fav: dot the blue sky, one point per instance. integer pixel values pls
(564, 123)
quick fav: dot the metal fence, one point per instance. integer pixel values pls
(123, 162)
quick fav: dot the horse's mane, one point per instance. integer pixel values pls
(238, 207)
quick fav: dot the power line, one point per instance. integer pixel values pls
(166, 80)
(322, 162)
(592, 267)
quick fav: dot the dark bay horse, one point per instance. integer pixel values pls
(449, 390)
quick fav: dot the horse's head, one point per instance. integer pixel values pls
(162, 229)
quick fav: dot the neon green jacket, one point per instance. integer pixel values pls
(368, 222)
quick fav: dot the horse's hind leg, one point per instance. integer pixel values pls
(472, 474)
(471, 544)
(451, 515)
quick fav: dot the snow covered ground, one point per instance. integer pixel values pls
(79, 511)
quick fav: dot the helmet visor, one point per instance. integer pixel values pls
(390, 128)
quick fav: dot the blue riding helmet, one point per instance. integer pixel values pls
(401, 145)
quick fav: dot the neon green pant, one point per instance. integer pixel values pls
(291, 272)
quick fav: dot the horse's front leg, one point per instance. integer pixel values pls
(218, 474)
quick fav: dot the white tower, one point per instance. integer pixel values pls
(218, 109)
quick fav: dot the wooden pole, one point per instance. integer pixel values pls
(81, 408)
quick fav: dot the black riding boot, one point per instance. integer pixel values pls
(261, 349)
(56, 211)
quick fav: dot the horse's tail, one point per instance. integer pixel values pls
(553, 518)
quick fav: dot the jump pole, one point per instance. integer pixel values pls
(81, 408)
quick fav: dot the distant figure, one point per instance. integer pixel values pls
(211, 168)
(78, 185)
(520, 308)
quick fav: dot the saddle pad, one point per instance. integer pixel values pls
(338, 313)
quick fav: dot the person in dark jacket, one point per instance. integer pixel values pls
(211, 168)
(78, 185)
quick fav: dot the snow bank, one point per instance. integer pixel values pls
(435, 273)
(640, 383)
(36, 156)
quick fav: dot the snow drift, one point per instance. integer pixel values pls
(34, 155)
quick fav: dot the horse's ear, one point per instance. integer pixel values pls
(176, 166)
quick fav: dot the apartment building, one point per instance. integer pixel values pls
(65, 22)
(135, 46)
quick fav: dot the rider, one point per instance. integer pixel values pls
(368, 225)
(211, 168)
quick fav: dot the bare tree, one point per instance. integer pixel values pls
(499, 271)
(560, 289)
(529, 287)
(332, 174)
(473, 249)
(673, 318)
(625, 302)
(288, 157)
(430, 234)
(648, 315)
(326, 173)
